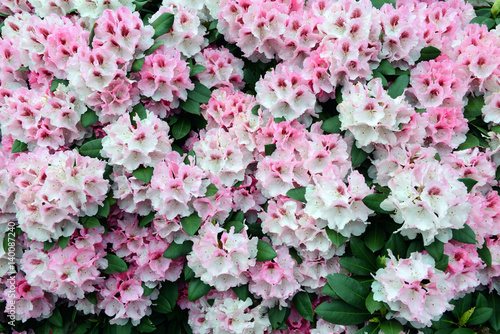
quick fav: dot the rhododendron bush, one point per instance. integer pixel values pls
(250, 166)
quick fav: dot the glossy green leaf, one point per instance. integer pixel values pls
(242, 292)
(470, 142)
(91, 297)
(371, 328)
(175, 250)
(362, 252)
(480, 316)
(269, 149)
(375, 237)
(211, 190)
(469, 183)
(277, 317)
(429, 53)
(82, 328)
(146, 326)
(397, 245)
(89, 118)
(196, 69)
(137, 65)
(371, 304)
(379, 3)
(386, 68)
(494, 303)
(373, 202)
(465, 235)
(358, 156)
(340, 313)
(143, 174)
(191, 106)
(474, 107)
(153, 48)
(116, 265)
(332, 125)
(55, 83)
(377, 74)
(197, 289)
(63, 242)
(163, 24)
(399, 85)
(181, 128)
(238, 226)
(140, 111)
(56, 318)
(91, 148)
(350, 290)
(147, 290)
(356, 266)
(435, 249)
(167, 299)
(297, 194)
(255, 110)
(265, 252)
(147, 219)
(47, 245)
(485, 254)
(328, 291)
(302, 304)
(391, 327)
(19, 146)
(191, 224)
(335, 237)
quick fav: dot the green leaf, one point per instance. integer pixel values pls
(429, 53)
(379, 3)
(6, 243)
(327, 290)
(19, 146)
(147, 291)
(471, 142)
(371, 328)
(340, 313)
(196, 69)
(200, 93)
(63, 242)
(350, 290)
(47, 245)
(191, 224)
(397, 245)
(302, 304)
(481, 301)
(91, 148)
(495, 128)
(269, 149)
(463, 331)
(238, 226)
(391, 327)
(163, 24)
(358, 156)
(82, 328)
(297, 194)
(143, 174)
(104, 209)
(146, 326)
(91, 297)
(474, 107)
(255, 110)
(197, 289)
(436, 249)
(335, 237)
(386, 68)
(356, 266)
(373, 202)
(137, 65)
(485, 254)
(196, 97)
(480, 316)
(461, 305)
(92, 34)
(332, 125)
(465, 235)
(167, 298)
(140, 111)
(175, 250)
(399, 85)
(190, 106)
(360, 251)
(375, 237)
(89, 118)
(265, 252)
(371, 304)
(116, 265)
(242, 292)
(277, 317)
(494, 303)
(55, 83)
(211, 190)
(469, 183)
(153, 48)
(377, 74)
(147, 219)
(181, 128)
(443, 263)
(56, 318)
(24, 68)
